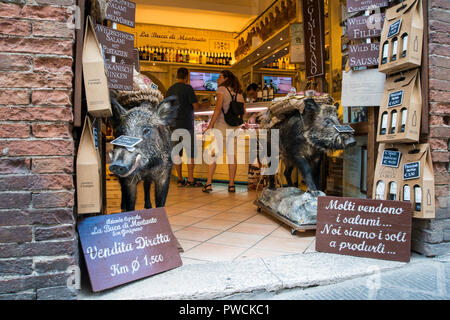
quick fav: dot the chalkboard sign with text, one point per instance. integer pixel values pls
(126, 141)
(379, 229)
(411, 170)
(391, 158)
(395, 99)
(394, 28)
(343, 128)
(124, 247)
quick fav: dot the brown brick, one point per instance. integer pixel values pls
(444, 4)
(43, 248)
(438, 144)
(37, 147)
(441, 191)
(53, 165)
(45, 13)
(440, 156)
(15, 234)
(36, 113)
(56, 293)
(52, 216)
(35, 80)
(438, 37)
(439, 73)
(15, 97)
(52, 233)
(15, 200)
(438, 49)
(438, 14)
(52, 265)
(52, 29)
(53, 199)
(18, 284)
(16, 266)
(8, 130)
(9, 10)
(51, 97)
(438, 26)
(15, 62)
(36, 45)
(15, 217)
(56, 2)
(52, 130)
(441, 108)
(436, 120)
(52, 64)
(15, 166)
(36, 182)
(438, 61)
(15, 27)
(442, 132)
(437, 84)
(439, 96)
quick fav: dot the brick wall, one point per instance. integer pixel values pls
(432, 237)
(37, 236)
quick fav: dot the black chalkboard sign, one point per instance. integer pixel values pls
(343, 128)
(391, 158)
(394, 28)
(126, 141)
(395, 99)
(411, 170)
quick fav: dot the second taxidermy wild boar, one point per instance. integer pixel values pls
(151, 158)
(304, 138)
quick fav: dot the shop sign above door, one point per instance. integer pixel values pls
(121, 11)
(313, 37)
(365, 26)
(362, 5)
(376, 229)
(114, 42)
(364, 54)
(124, 247)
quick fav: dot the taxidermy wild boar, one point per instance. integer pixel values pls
(304, 138)
(151, 158)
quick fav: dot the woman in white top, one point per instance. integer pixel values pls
(228, 88)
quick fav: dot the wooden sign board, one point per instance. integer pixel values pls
(365, 26)
(313, 37)
(114, 42)
(120, 75)
(364, 54)
(124, 247)
(362, 5)
(364, 228)
(121, 11)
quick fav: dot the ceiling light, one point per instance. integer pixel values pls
(281, 39)
(268, 47)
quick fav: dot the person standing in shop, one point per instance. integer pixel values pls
(185, 120)
(252, 92)
(228, 89)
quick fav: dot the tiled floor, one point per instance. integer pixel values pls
(222, 226)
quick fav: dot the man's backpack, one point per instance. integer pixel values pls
(235, 114)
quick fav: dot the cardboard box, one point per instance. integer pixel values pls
(414, 178)
(401, 38)
(94, 73)
(89, 193)
(401, 108)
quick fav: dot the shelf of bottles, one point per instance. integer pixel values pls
(280, 64)
(171, 55)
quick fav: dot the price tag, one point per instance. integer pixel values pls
(395, 99)
(127, 142)
(391, 158)
(411, 170)
(394, 28)
(344, 128)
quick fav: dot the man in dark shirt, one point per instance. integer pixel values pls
(185, 120)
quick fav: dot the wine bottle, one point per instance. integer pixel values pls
(417, 198)
(271, 91)
(265, 92)
(259, 94)
(406, 193)
(404, 44)
(404, 113)
(393, 191)
(394, 49)
(379, 191)
(384, 120)
(385, 52)
(393, 121)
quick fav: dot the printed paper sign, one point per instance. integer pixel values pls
(124, 247)
(411, 170)
(391, 158)
(376, 229)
